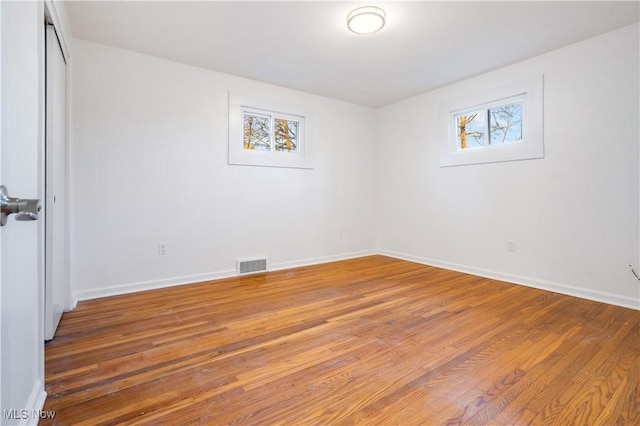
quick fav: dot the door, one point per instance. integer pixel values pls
(21, 242)
(56, 299)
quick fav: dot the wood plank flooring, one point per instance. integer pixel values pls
(372, 340)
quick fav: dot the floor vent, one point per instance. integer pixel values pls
(251, 266)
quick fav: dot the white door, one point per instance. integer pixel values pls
(56, 299)
(21, 242)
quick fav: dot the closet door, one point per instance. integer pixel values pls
(57, 292)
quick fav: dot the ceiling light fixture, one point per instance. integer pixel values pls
(366, 20)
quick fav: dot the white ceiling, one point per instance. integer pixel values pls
(306, 45)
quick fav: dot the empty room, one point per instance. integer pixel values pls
(298, 212)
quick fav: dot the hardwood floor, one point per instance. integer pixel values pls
(372, 340)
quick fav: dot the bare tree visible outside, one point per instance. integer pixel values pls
(263, 132)
(257, 132)
(286, 135)
(505, 123)
(468, 126)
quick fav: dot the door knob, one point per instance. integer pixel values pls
(23, 209)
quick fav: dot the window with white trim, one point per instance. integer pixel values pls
(270, 133)
(501, 124)
(491, 124)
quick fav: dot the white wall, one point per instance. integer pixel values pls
(573, 215)
(149, 165)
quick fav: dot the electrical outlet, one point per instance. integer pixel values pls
(162, 249)
(341, 233)
(511, 246)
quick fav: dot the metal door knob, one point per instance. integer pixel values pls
(23, 209)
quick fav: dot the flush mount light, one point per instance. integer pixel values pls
(366, 20)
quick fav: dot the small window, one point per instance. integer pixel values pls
(471, 129)
(498, 124)
(505, 123)
(257, 131)
(264, 131)
(490, 125)
(262, 136)
(286, 135)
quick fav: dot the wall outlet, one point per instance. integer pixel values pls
(341, 233)
(162, 249)
(511, 246)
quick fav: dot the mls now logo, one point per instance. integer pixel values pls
(15, 414)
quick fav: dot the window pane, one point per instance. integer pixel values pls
(470, 130)
(257, 132)
(505, 123)
(286, 135)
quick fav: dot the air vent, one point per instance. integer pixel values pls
(251, 266)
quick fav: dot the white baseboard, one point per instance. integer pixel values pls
(598, 296)
(192, 279)
(30, 413)
(318, 260)
(149, 285)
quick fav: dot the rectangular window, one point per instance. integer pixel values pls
(471, 129)
(503, 123)
(257, 131)
(490, 124)
(266, 131)
(260, 134)
(286, 135)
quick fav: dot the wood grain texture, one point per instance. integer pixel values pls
(372, 340)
